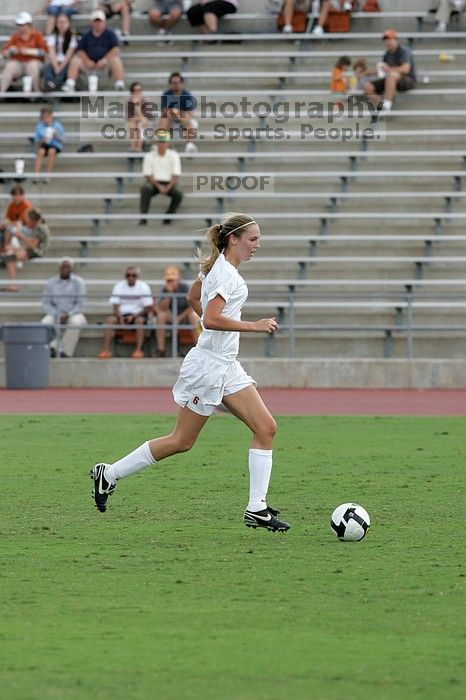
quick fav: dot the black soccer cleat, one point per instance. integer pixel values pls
(266, 518)
(102, 488)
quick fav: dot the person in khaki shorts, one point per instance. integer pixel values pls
(24, 52)
(98, 50)
(211, 375)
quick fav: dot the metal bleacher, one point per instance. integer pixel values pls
(363, 250)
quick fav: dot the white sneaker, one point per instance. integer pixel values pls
(190, 147)
(347, 6)
(162, 31)
(441, 27)
(386, 109)
(318, 30)
(69, 86)
(120, 85)
(287, 29)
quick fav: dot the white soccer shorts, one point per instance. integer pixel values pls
(204, 381)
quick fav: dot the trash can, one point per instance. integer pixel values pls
(27, 354)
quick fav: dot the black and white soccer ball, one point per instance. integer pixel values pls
(350, 522)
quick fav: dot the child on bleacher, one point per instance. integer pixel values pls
(339, 78)
(49, 137)
(362, 74)
(339, 83)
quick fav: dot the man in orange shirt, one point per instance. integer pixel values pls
(24, 51)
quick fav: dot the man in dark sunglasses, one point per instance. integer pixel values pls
(131, 301)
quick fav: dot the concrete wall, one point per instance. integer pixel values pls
(314, 373)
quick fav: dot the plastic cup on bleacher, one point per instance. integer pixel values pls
(93, 83)
(19, 166)
(27, 83)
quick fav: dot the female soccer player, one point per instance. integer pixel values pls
(210, 374)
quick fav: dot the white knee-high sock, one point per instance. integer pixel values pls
(260, 469)
(139, 459)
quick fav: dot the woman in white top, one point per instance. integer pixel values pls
(211, 375)
(61, 44)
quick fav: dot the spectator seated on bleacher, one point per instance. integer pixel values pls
(325, 8)
(63, 302)
(177, 105)
(362, 74)
(15, 216)
(158, 15)
(54, 8)
(61, 43)
(205, 14)
(396, 72)
(444, 11)
(29, 241)
(49, 138)
(123, 8)
(164, 307)
(162, 168)
(24, 52)
(138, 111)
(98, 50)
(17, 207)
(131, 301)
(293, 16)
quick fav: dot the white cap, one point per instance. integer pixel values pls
(98, 14)
(23, 18)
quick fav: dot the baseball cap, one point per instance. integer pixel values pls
(162, 135)
(172, 273)
(98, 14)
(390, 34)
(23, 18)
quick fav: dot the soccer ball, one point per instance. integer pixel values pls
(350, 522)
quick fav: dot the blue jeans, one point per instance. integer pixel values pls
(53, 81)
(56, 10)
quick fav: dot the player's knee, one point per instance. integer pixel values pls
(267, 429)
(184, 443)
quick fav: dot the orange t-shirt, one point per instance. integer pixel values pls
(36, 40)
(338, 82)
(17, 212)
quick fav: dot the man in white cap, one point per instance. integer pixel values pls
(24, 52)
(98, 50)
(63, 302)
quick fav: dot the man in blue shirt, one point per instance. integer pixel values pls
(98, 50)
(177, 105)
(396, 72)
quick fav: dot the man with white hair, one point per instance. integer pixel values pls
(24, 52)
(445, 8)
(63, 302)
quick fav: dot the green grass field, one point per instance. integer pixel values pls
(169, 596)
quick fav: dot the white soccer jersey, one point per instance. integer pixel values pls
(225, 280)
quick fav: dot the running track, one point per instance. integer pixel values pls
(395, 402)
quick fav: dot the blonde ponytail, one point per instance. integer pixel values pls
(217, 237)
